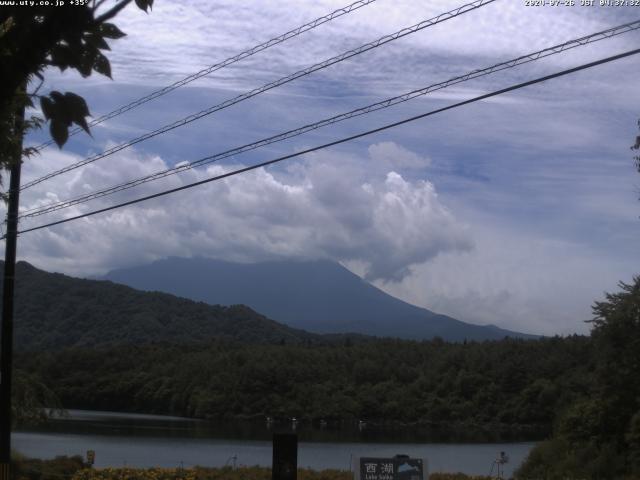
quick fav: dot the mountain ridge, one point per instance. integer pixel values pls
(317, 296)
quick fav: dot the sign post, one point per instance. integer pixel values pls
(285, 456)
(400, 467)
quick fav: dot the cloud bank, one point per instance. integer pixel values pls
(330, 205)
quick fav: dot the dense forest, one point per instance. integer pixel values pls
(515, 384)
(105, 346)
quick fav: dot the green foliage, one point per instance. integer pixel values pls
(135, 474)
(54, 311)
(23, 468)
(599, 435)
(76, 469)
(227, 473)
(439, 385)
(632, 438)
(558, 459)
(549, 460)
(457, 476)
(32, 400)
(37, 37)
(616, 334)
(62, 111)
(583, 421)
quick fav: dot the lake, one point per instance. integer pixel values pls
(148, 440)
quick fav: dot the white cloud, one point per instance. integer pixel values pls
(521, 282)
(397, 156)
(347, 207)
(180, 38)
(330, 206)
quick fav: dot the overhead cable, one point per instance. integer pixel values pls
(218, 66)
(337, 142)
(556, 49)
(289, 78)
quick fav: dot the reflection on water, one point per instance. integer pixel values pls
(142, 425)
(148, 440)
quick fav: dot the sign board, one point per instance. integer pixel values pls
(397, 468)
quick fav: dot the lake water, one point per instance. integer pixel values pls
(147, 440)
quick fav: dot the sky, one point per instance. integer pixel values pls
(518, 211)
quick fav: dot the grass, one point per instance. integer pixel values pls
(227, 473)
(74, 468)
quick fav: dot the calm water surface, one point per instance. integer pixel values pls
(147, 440)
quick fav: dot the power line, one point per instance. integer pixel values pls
(41, 210)
(225, 63)
(289, 78)
(343, 140)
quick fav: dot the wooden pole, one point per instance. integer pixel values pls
(6, 329)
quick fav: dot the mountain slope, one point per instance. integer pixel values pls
(56, 311)
(318, 296)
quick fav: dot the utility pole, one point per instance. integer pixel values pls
(6, 330)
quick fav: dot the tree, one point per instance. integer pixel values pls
(33, 401)
(616, 335)
(599, 436)
(33, 38)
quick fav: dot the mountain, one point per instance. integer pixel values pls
(54, 311)
(317, 296)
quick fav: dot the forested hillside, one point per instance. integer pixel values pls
(515, 384)
(54, 311)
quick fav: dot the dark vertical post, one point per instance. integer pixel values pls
(285, 456)
(6, 330)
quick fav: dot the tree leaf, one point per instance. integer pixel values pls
(59, 112)
(97, 41)
(62, 57)
(53, 107)
(101, 65)
(144, 4)
(56, 96)
(77, 109)
(59, 132)
(85, 65)
(83, 124)
(109, 30)
(76, 105)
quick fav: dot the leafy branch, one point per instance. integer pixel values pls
(40, 37)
